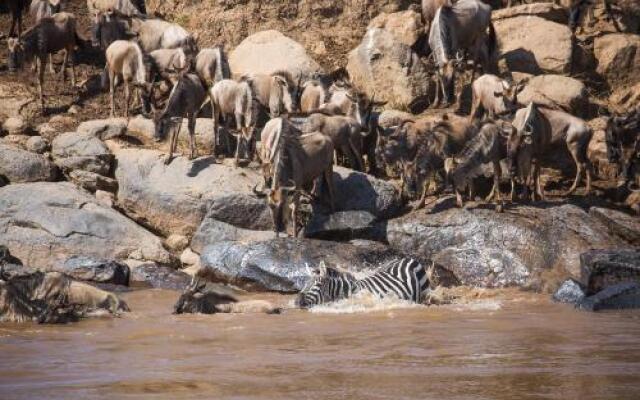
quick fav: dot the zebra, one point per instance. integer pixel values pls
(405, 279)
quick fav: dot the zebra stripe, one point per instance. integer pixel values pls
(405, 279)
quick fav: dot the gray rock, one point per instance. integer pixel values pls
(548, 11)
(37, 144)
(570, 292)
(144, 129)
(18, 166)
(212, 231)
(159, 277)
(92, 182)
(95, 270)
(556, 91)
(281, 264)
(343, 225)
(82, 151)
(383, 65)
(104, 128)
(624, 225)
(45, 224)
(616, 297)
(602, 268)
(514, 248)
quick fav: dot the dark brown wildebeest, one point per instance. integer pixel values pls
(622, 137)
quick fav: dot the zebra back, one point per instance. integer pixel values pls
(405, 279)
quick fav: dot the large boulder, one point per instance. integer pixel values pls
(618, 56)
(19, 166)
(281, 264)
(96, 270)
(45, 224)
(615, 297)
(270, 51)
(535, 45)
(556, 91)
(82, 151)
(383, 65)
(525, 246)
(104, 128)
(549, 11)
(406, 26)
(602, 268)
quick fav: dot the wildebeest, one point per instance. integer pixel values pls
(127, 8)
(48, 36)
(313, 95)
(464, 27)
(273, 131)
(169, 62)
(231, 99)
(197, 299)
(273, 92)
(125, 60)
(154, 34)
(622, 137)
(487, 146)
(538, 132)
(494, 96)
(17, 8)
(212, 66)
(45, 8)
(107, 28)
(185, 100)
(429, 8)
(298, 162)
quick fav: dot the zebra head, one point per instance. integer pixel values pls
(326, 285)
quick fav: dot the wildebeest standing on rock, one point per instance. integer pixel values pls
(185, 99)
(464, 27)
(494, 96)
(211, 65)
(125, 59)
(48, 36)
(273, 92)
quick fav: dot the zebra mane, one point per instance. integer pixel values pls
(338, 273)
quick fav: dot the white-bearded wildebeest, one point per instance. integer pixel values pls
(494, 96)
(489, 145)
(464, 27)
(17, 8)
(233, 99)
(125, 60)
(273, 92)
(48, 36)
(185, 100)
(298, 162)
(622, 137)
(538, 132)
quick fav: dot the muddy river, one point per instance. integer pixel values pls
(505, 346)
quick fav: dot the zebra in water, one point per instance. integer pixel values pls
(405, 279)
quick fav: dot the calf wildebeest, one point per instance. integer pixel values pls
(17, 8)
(298, 162)
(51, 297)
(125, 60)
(464, 27)
(273, 92)
(489, 145)
(622, 137)
(197, 299)
(538, 132)
(48, 36)
(494, 96)
(232, 99)
(185, 99)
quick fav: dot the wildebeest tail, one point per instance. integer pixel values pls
(492, 40)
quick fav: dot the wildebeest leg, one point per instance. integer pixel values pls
(214, 116)
(536, 177)
(72, 63)
(240, 141)
(495, 190)
(328, 178)
(436, 99)
(294, 212)
(173, 144)
(127, 98)
(112, 89)
(51, 69)
(445, 94)
(191, 124)
(512, 195)
(41, 66)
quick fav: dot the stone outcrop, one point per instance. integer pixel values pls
(618, 56)
(20, 166)
(556, 91)
(81, 151)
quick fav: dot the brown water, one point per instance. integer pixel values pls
(520, 347)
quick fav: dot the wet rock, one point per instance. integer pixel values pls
(159, 277)
(616, 297)
(104, 128)
(570, 292)
(556, 91)
(177, 242)
(603, 268)
(92, 182)
(383, 65)
(269, 51)
(624, 225)
(534, 45)
(343, 225)
(548, 11)
(406, 26)
(95, 270)
(618, 56)
(37, 144)
(281, 264)
(519, 247)
(45, 224)
(19, 166)
(81, 151)
(15, 126)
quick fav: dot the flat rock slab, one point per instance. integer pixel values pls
(83, 151)
(45, 224)
(514, 248)
(281, 264)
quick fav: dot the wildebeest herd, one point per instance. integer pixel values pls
(306, 123)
